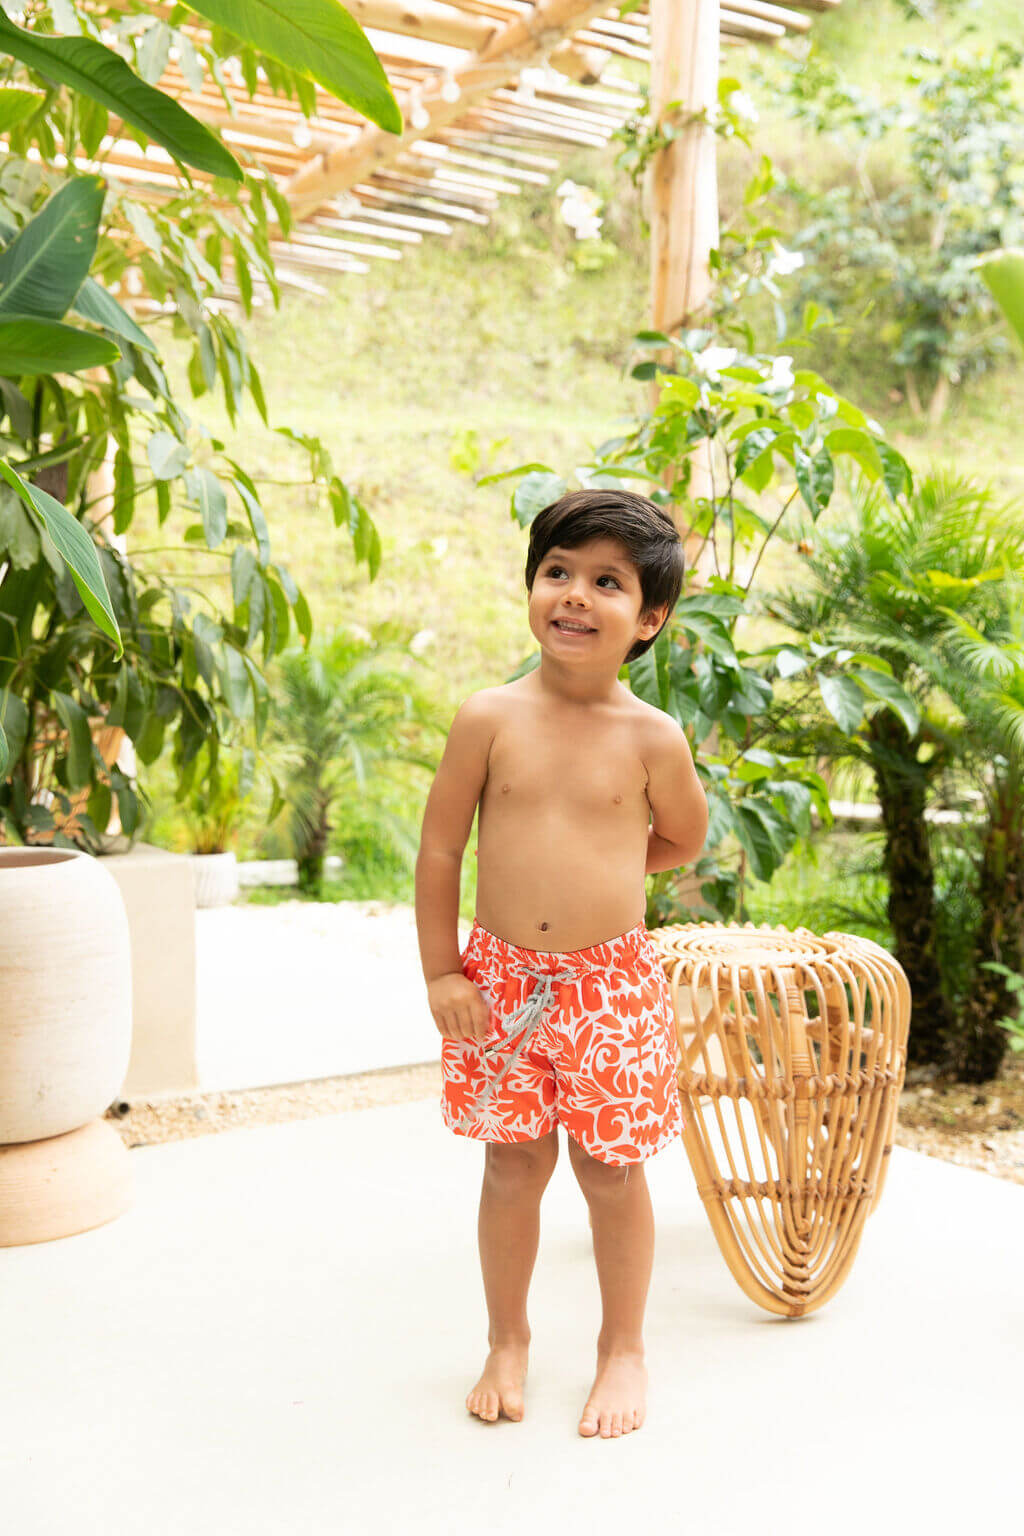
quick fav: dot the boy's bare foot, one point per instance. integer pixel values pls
(618, 1398)
(500, 1388)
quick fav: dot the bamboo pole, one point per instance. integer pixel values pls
(682, 178)
(682, 184)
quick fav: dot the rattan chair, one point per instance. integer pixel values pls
(792, 1056)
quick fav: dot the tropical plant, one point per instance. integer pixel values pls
(775, 436)
(88, 635)
(980, 665)
(218, 803)
(897, 248)
(347, 716)
(886, 577)
(1003, 275)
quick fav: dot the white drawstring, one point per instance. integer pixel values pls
(532, 1011)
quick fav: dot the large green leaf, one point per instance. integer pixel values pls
(48, 260)
(14, 724)
(96, 304)
(75, 547)
(887, 688)
(317, 38)
(100, 74)
(1003, 272)
(843, 700)
(14, 105)
(28, 345)
(79, 754)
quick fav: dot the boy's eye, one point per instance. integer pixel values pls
(553, 570)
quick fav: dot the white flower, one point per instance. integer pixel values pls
(784, 262)
(743, 106)
(580, 210)
(782, 373)
(712, 360)
(440, 547)
(421, 640)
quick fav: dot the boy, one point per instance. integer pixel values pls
(567, 766)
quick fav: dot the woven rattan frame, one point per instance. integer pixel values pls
(792, 1058)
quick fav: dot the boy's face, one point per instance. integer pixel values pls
(596, 585)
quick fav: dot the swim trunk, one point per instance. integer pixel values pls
(584, 1038)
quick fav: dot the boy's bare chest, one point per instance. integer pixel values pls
(568, 766)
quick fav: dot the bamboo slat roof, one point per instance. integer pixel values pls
(494, 93)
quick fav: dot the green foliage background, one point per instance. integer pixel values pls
(497, 332)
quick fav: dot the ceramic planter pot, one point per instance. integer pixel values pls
(216, 878)
(63, 1185)
(65, 1039)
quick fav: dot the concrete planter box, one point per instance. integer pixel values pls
(159, 896)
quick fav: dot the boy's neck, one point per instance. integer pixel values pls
(576, 685)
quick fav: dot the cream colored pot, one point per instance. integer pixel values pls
(65, 991)
(216, 878)
(65, 1038)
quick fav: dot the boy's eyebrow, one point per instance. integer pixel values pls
(553, 553)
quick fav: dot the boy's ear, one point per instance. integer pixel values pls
(654, 618)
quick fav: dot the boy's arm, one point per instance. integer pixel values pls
(678, 803)
(447, 820)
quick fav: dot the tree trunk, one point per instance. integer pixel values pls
(902, 783)
(939, 401)
(311, 859)
(981, 1044)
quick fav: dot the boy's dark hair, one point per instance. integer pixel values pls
(644, 529)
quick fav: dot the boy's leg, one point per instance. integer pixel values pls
(515, 1176)
(623, 1226)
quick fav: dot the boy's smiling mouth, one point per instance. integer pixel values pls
(572, 627)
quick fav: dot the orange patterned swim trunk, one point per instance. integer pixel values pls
(584, 1038)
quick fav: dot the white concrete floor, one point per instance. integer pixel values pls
(307, 990)
(278, 1340)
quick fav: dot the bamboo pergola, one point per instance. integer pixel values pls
(493, 94)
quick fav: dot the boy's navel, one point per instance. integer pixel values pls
(505, 788)
(618, 799)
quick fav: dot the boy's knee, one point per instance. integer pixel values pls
(596, 1177)
(521, 1162)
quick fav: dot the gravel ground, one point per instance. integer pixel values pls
(147, 1122)
(995, 1147)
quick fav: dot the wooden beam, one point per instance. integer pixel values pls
(682, 180)
(428, 150)
(434, 22)
(526, 41)
(750, 26)
(583, 64)
(788, 18)
(682, 177)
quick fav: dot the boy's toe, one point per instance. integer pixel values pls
(616, 1423)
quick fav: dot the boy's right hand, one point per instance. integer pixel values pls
(459, 1008)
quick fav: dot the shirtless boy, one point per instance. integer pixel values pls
(558, 1010)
